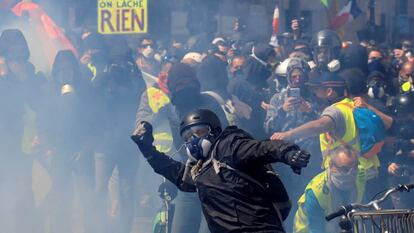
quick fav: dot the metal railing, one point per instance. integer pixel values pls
(370, 218)
(382, 221)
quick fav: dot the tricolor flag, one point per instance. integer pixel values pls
(275, 25)
(346, 15)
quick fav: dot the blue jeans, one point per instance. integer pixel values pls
(188, 216)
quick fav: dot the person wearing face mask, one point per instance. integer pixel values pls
(230, 172)
(212, 73)
(401, 165)
(326, 50)
(289, 108)
(153, 107)
(185, 95)
(377, 86)
(375, 54)
(117, 89)
(94, 59)
(64, 133)
(342, 183)
(360, 91)
(145, 60)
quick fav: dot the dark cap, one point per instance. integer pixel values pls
(325, 79)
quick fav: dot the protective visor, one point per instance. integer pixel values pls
(197, 130)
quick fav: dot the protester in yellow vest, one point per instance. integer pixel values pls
(340, 184)
(152, 102)
(336, 126)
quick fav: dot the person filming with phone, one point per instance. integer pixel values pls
(289, 108)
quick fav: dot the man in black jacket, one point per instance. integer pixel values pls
(230, 171)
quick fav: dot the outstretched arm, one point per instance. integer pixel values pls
(247, 151)
(312, 128)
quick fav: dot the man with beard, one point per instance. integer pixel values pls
(184, 90)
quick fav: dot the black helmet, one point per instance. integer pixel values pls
(328, 39)
(404, 103)
(201, 117)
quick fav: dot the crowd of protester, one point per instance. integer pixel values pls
(77, 119)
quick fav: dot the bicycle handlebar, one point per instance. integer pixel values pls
(341, 211)
(409, 186)
(346, 209)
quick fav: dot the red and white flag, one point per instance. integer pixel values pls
(348, 13)
(275, 25)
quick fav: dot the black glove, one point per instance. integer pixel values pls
(297, 159)
(142, 135)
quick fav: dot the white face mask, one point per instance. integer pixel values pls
(343, 181)
(148, 52)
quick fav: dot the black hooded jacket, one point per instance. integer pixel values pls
(230, 202)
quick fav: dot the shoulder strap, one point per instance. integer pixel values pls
(218, 166)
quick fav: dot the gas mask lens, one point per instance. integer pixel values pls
(198, 131)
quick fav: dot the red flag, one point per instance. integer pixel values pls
(275, 25)
(51, 36)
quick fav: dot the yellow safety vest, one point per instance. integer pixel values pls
(328, 142)
(156, 100)
(319, 187)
